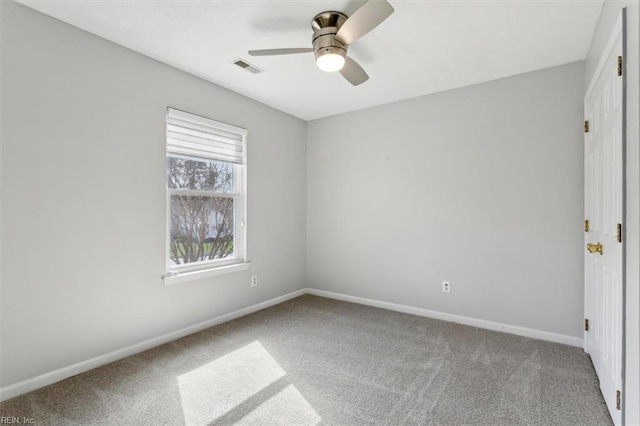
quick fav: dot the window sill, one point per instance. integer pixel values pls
(187, 276)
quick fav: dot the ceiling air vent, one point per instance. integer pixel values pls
(247, 66)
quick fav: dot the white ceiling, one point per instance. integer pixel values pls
(426, 46)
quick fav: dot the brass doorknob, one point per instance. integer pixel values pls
(594, 248)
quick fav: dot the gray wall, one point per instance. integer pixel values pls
(83, 186)
(608, 18)
(481, 186)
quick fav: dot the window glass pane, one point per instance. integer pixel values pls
(199, 174)
(201, 229)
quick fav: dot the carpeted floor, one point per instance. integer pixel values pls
(313, 360)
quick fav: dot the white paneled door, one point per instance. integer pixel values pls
(604, 223)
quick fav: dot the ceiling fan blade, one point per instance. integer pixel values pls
(370, 15)
(272, 52)
(353, 72)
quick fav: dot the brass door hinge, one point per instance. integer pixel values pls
(586, 126)
(586, 225)
(619, 232)
(618, 402)
(619, 66)
(586, 325)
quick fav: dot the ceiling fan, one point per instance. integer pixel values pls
(333, 32)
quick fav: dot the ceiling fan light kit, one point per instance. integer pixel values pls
(332, 33)
(330, 60)
(329, 51)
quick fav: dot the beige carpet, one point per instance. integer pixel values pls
(313, 360)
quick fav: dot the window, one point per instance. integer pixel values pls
(206, 197)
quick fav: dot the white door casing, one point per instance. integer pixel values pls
(604, 173)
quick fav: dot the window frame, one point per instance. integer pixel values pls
(176, 274)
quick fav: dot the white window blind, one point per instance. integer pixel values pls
(190, 134)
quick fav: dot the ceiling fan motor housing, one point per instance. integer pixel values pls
(325, 26)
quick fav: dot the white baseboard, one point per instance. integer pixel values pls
(489, 325)
(46, 379)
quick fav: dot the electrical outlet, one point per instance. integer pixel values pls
(254, 281)
(446, 287)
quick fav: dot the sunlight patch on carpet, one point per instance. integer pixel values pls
(287, 407)
(243, 386)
